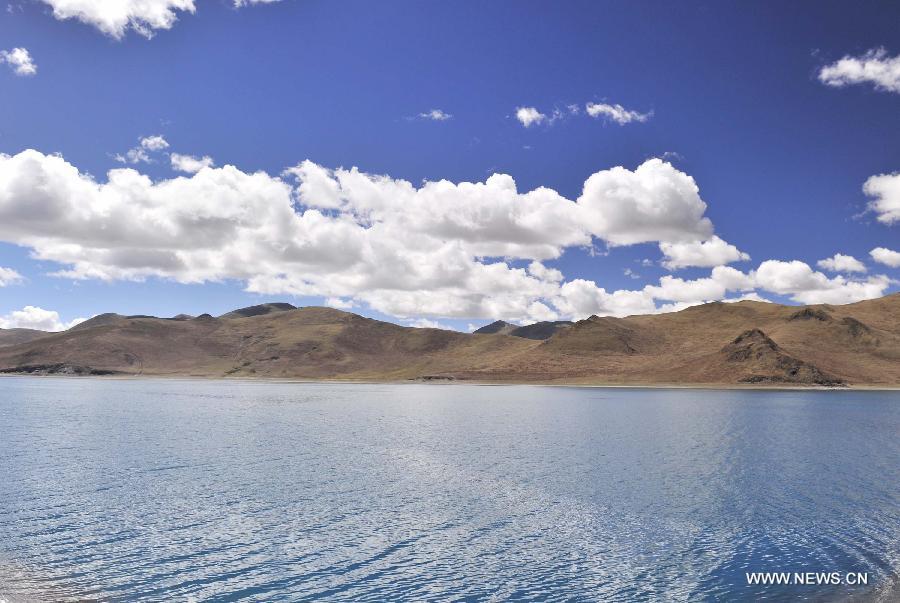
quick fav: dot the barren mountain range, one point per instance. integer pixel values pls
(716, 343)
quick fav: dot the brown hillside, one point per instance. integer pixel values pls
(717, 343)
(17, 336)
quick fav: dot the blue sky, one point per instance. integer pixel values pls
(730, 95)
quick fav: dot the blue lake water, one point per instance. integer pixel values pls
(219, 491)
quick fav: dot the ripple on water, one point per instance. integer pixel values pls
(150, 490)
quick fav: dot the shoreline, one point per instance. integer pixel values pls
(452, 382)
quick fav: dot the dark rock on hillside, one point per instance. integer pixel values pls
(765, 362)
(56, 369)
(855, 327)
(810, 314)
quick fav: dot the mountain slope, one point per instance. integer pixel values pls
(717, 343)
(17, 336)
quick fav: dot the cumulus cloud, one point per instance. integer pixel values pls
(435, 115)
(19, 60)
(427, 323)
(875, 67)
(154, 143)
(885, 191)
(720, 282)
(141, 153)
(529, 116)
(440, 249)
(841, 263)
(8, 276)
(616, 113)
(655, 202)
(886, 256)
(33, 317)
(190, 164)
(338, 303)
(118, 17)
(701, 254)
(807, 286)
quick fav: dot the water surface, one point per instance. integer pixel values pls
(153, 490)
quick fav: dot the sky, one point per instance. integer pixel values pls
(445, 164)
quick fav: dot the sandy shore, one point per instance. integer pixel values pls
(453, 382)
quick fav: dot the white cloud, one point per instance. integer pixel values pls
(141, 153)
(19, 60)
(240, 3)
(875, 67)
(435, 115)
(33, 317)
(540, 271)
(8, 276)
(721, 281)
(841, 263)
(616, 113)
(806, 286)
(580, 298)
(753, 296)
(116, 17)
(703, 254)
(189, 163)
(885, 188)
(154, 143)
(472, 250)
(338, 303)
(529, 116)
(427, 323)
(655, 202)
(886, 256)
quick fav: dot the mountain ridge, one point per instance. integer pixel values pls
(717, 343)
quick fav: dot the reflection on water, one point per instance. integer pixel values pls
(177, 490)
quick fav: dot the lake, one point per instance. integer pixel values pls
(184, 490)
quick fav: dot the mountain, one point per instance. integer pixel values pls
(16, 336)
(498, 327)
(537, 330)
(541, 330)
(259, 310)
(738, 343)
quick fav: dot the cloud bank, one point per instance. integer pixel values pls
(441, 249)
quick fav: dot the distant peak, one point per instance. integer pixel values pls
(498, 326)
(259, 310)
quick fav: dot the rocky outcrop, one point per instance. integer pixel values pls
(761, 360)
